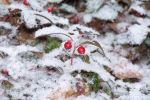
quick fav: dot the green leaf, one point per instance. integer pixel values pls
(51, 44)
(94, 51)
(94, 85)
(91, 78)
(35, 42)
(108, 91)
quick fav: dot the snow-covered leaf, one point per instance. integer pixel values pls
(106, 13)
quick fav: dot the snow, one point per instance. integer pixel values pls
(106, 13)
(89, 67)
(37, 5)
(30, 18)
(101, 11)
(136, 34)
(135, 95)
(14, 50)
(87, 18)
(3, 10)
(68, 8)
(93, 5)
(49, 30)
(6, 25)
(33, 78)
(83, 29)
(136, 6)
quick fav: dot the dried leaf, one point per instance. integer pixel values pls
(128, 75)
(97, 25)
(66, 93)
(38, 54)
(95, 43)
(4, 31)
(146, 5)
(124, 3)
(63, 94)
(136, 13)
(85, 58)
(82, 88)
(25, 37)
(114, 27)
(6, 2)
(63, 57)
(6, 84)
(14, 17)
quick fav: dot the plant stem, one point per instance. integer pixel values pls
(63, 34)
(72, 56)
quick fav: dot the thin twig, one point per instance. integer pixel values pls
(62, 34)
(45, 18)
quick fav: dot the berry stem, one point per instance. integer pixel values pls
(45, 18)
(72, 56)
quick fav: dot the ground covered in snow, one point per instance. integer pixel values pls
(74, 50)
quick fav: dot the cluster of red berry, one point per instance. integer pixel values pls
(80, 49)
(68, 45)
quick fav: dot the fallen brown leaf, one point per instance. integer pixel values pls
(67, 94)
(129, 75)
(38, 54)
(5, 2)
(25, 37)
(63, 94)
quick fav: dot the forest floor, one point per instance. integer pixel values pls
(74, 50)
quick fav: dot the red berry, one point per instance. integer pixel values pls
(4, 72)
(81, 50)
(50, 9)
(25, 2)
(68, 45)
